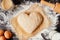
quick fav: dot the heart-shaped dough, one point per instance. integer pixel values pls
(29, 22)
(7, 4)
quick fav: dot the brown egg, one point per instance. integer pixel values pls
(2, 38)
(1, 32)
(8, 34)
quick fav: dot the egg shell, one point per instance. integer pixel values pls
(2, 38)
(1, 32)
(8, 34)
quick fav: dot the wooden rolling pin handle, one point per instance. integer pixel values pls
(48, 4)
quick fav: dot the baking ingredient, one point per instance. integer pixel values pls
(2, 38)
(1, 32)
(8, 34)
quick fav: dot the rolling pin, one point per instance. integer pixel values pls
(56, 7)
